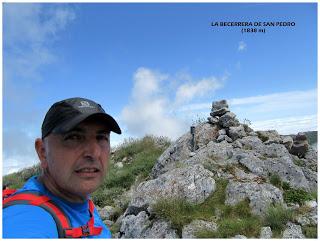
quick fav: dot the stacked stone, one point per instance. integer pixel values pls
(220, 114)
(229, 126)
(300, 145)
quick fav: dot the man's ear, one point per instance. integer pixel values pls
(41, 151)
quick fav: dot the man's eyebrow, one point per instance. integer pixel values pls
(76, 129)
(104, 131)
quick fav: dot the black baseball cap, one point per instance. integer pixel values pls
(66, 114)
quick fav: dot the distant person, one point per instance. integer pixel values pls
(74, 153)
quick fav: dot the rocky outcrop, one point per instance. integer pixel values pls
(192, 183)
(223, 148)
(190, 230)
(259, 195)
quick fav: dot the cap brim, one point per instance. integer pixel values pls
(108, 119)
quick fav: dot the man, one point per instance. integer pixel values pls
(74, 152)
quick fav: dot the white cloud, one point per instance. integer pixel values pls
(148, 112)
(30, 31)
(289, 125)
(287, 112)
(153, 106)
(189, 91)
(242, 46)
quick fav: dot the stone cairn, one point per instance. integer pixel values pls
(230, 128)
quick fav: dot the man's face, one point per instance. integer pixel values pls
(77, 160)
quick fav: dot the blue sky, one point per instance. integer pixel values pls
(156, 67)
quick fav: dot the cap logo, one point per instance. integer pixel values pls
(85, 104)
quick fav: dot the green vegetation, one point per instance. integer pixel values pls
(233, 220)
(276, 217)
(17, 179)
(310, 231)
(299, 162)
(296, 196)
(312, 137)
(142, 154)
(275, 180)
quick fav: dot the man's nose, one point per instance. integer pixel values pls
(92, 148)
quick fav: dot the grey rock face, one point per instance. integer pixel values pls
(134, 226)
(269, 137)
(193, 183)
(293, 231)
(107, 212)
(224, 138)
(236, 132)
(228, 120)
(180, 150)
(213, 120)
(160, 229)
(219, 108)
(190, 230)
(300, 145)
(265, 233)
(259, 195)
(287, 142)
(239, 236)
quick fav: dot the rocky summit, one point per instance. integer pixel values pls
(260, 169)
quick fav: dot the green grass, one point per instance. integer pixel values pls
(276, 217)
(233, 220)
(275, 180)
(310, 231)
(297, 196)
(299, 162)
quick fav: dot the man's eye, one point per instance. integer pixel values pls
(103, 137)
(74, 137)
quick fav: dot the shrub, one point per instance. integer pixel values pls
(299, 162)
(310, 231)
(285, 185)
(277, 216)
(275, 180)
(178, 211)
(296, 196)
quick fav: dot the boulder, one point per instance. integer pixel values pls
(195, 226)
(213, 120)
(287, 141)
(107, 212)
(259, 195)
(265, 233)
(228, 120)
(219, 108)
(192, 183)
(160, 229)
(300, 145)
(134, 226)
(293, 231)
(269, 137)
(236, 132)
(224, 138)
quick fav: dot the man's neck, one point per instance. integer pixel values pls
(53, 187)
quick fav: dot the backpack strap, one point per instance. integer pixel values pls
(37, 199)
(86, 230)
(62, 221)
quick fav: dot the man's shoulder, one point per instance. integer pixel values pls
(27, 221)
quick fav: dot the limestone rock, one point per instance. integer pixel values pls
(300, 145)
(190, 230)
(107, 212)
(224, 138)
(269, 137)
(228, 120)
(219, 108)
(236, 132)
(193, 183)
(239, 236)
(259, 195)
(160, 229)
(134, 226)
(293, 231)
(287, 142)
(119, 165)
(213, 120)
(265, 233)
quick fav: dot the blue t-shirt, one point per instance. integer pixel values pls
(27, 221)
